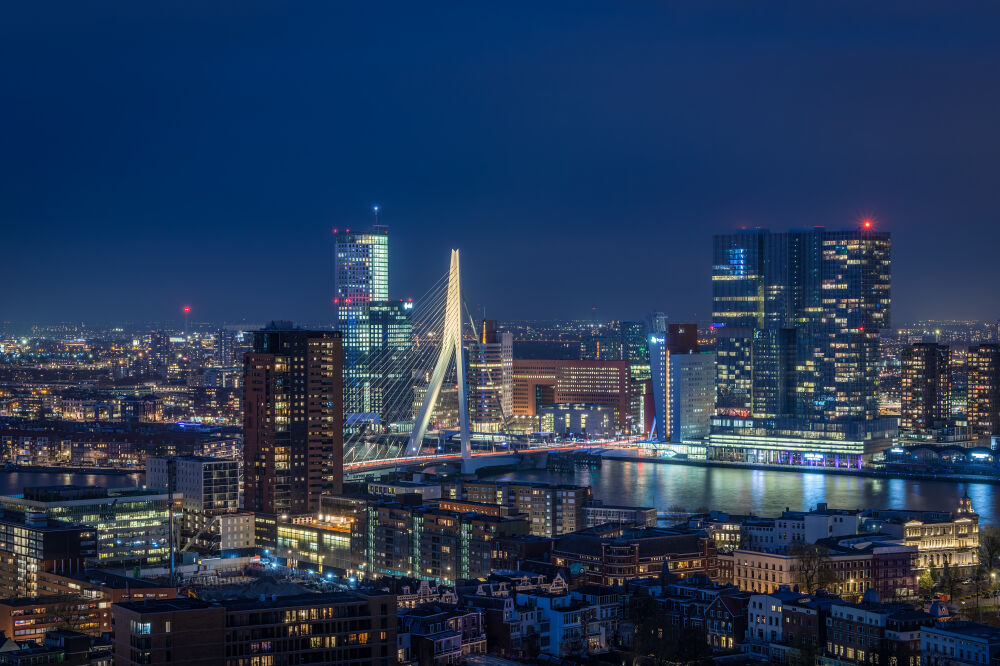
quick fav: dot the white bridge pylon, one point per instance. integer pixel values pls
(451, 348)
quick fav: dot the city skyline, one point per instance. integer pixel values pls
(184, 314)
(602, 136)
(577, 332)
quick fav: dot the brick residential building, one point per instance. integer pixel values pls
(293, 447)
(342, 627)
(614, 554)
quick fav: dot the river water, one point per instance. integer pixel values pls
(763, 492)
(14, 483)
(665, 486)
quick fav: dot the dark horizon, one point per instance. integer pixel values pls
(579, 154)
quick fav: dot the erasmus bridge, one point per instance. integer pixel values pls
(419, 394)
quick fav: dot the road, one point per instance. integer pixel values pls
(449, 457)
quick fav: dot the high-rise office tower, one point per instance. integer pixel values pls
(362, 267)
(926, 387)
(385, 335)
(293, 441)
(683, 384)
(491, 374)
(361, 277)
(983, 389)
(635, 351)
(224, 341)
(606, 347)
(376, 332)
(635, 348)
(657, 322)
(797, 317)
(160, 352)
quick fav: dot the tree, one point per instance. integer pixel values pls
(812, 567)
(989, 547)
(981, 582)
(948, 581)
(926, 582)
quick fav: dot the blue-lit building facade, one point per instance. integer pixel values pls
(797, 318)
(376, 331)
(635, 348)
(683, 385)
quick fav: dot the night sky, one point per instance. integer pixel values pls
(580, 154)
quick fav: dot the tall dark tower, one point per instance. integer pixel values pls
(983, 388)
(925, 399)
(293, 441)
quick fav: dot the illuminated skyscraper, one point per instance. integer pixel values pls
(224, 355)
(657, 322)
(293, 441)
(797, 318)
(606, 347)
(635, 351)
(384, 335)
(635, 348)
(983, 388)
(491, 376)
(362, 267)
(376, 331)
(160, 352)
(682, 384)
(737, 311)
(926, 387)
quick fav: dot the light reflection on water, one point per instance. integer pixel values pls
(14, 483)
(763, 492)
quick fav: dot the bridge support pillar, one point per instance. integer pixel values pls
(451, 347)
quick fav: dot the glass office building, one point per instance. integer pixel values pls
(130, 523)
(491, 378)
(682, 384)
(376, 332)
(797, 317)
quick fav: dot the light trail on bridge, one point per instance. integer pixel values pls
(446, 457)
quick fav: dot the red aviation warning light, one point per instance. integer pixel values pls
(187, 309)
(866, 223)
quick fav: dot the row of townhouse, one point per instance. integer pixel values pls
(786, 627)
